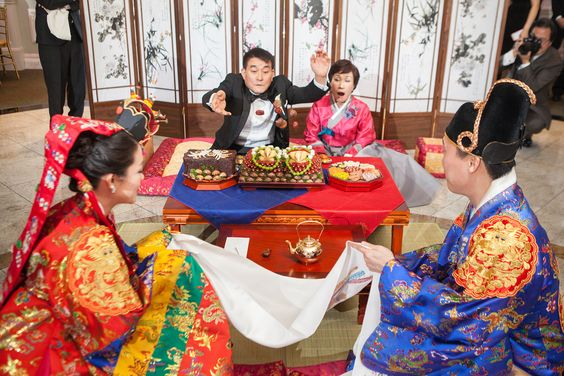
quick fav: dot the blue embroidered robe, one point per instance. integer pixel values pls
(485, 300)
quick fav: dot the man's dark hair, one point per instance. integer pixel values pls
(495, 171)
(344, 66)
(259, 53)
(98, 155)
(546, 23)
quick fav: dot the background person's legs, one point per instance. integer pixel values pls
(51, 61)
(76, 87)
(533, 124)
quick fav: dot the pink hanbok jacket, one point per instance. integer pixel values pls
(356, 127)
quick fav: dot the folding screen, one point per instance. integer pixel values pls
(416, 46)
(364, 25)
(159, 67)
(471, 62)
(207, 31)
(110, 53)
(310, 30)
(260, 26)
(418, 59)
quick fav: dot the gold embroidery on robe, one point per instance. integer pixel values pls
(502, 258)
(98, 276)
(13, 367)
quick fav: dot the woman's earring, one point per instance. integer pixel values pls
(113, 188)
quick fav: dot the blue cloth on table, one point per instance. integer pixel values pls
(232, 205)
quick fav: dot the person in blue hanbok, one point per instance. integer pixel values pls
(486, 301)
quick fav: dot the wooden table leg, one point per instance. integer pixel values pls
(175, 228)
(397, 239)
(362, 301)
(206, 232)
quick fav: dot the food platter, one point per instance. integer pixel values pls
(272, 167)
(353, 176)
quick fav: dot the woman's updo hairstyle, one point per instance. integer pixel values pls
(97, 155)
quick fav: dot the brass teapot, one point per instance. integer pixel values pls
(308, 249)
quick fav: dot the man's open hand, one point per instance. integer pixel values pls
(218, 103)
(320, 64)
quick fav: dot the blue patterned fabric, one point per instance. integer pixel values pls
(232, 205)
(485, 300)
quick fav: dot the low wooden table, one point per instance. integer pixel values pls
(177, 214)
(280, 261)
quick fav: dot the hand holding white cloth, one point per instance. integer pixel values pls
(268, 308)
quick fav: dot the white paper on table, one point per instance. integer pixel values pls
(268, 308)
(239, 246)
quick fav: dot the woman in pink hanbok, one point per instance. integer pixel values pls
(340, 124)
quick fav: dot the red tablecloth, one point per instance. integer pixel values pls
(344, 208)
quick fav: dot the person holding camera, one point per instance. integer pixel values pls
(536, 63)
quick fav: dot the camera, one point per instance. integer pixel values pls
(530, 44)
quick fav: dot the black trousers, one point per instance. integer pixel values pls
(534, 124)
(63, 70)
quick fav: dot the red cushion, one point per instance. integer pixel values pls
(154, 183)
(429, 154)
(396, 145)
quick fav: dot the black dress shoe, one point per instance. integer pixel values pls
(528, 142)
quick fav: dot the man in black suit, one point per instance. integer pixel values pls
(62, 60)
(254, 102)
(538, 71)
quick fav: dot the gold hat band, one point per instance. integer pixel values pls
(480, 105)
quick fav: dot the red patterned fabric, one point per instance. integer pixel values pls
(323, 369)
(268, 369)
(279, 369)
(429, 154)
(45, 324)
(155, 184)
(63, 132)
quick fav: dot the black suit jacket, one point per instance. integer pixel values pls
(44, 36)
(539, 76)
(239, 104)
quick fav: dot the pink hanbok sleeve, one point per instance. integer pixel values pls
(313, 124)
(365, 131)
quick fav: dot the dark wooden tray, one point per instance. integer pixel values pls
(210, 186)
(281, 185)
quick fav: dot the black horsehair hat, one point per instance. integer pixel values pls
(138, 118)
(493, 129)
